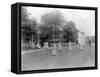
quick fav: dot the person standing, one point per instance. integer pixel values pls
(54, 50)
(89, 42)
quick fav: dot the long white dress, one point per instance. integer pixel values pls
(45, 44)
(54, 50)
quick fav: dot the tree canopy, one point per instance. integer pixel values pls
(54, 18)
(70, 31)
(28, 26)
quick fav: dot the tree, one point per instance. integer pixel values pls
(51, 22)
(45, 35)
(33, 29)
(70, 32)
(24, 14)
(54, 18)
(28, 27)
(24, 25)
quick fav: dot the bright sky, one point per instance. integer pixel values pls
(84, 19)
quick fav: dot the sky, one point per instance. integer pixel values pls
(84, 19)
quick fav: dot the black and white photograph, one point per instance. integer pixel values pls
(57, 38)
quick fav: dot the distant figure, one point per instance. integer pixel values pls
(60, 46)
(81, 39)
(54, 50)
(70, 45)
(38, 45)
(33, 45)
(45, 44)
(90, 42)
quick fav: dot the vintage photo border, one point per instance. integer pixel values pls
(53, 6)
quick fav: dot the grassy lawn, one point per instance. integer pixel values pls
(65, 58)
